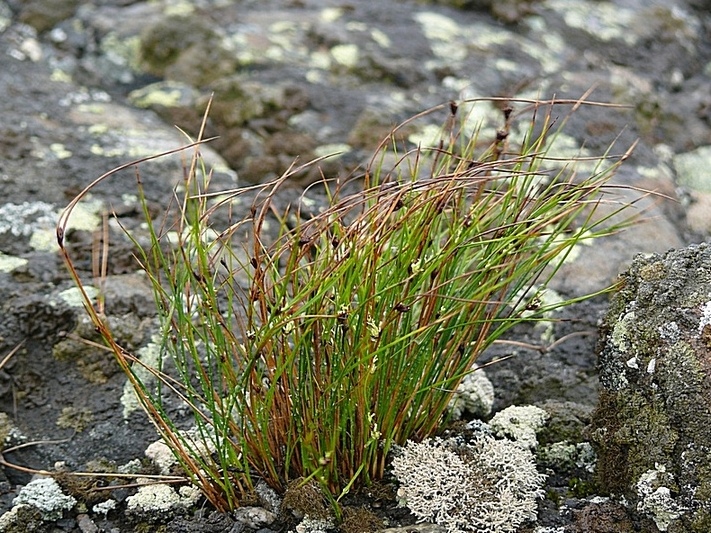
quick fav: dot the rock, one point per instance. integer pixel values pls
(652, 426)
(86, 524)
(254, 517)
(698, 213)
(43, 15)
(185, 48)
(603, 517)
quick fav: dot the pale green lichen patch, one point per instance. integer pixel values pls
(656, 500)
(346, 54)
(474, 396)
(692, 169)
(443, 34)
(150, 356)
(44, 240)
(603, 20)
(8, 263)
(162, 94)
(621, 338)
(428, 136)
(161, 499)
(46, 495)
(84, 217)
(330, 151)
(60, 151)
(121, 51)
(180, 8)
(568, 456)
(331, 14)
(73, 297)
(381, 38)
(520, 423)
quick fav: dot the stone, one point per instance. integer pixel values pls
(652, 426)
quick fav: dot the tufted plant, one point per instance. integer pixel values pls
(309, 347)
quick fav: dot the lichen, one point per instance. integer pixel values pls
(567, 456)
(46, 495)
(520, 423)
(150, 356)
(474, 396)
(656, 420)
(655, 499)
(8, 263)
(158, 501)
(487, 486)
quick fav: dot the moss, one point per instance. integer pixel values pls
(701, 520)
(82, 488)
(360, 520)
(653, 272)
(185, 48)
(631, 432)
(149, 528)
(581, 488)
(21, 519)
(567, 422)
(304, 498)
(76, 419)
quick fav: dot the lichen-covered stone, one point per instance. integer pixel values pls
(185, 48)
(155, 502)
(520, 423)
(474, 396)
(46, 495)
(652, 427)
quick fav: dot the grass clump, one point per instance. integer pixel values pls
(307, 346)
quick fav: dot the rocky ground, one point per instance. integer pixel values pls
(87, 86)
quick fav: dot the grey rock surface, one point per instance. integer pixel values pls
(652, 428)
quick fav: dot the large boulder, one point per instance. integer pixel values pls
(652, 427)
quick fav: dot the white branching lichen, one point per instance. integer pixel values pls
(488, 486)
